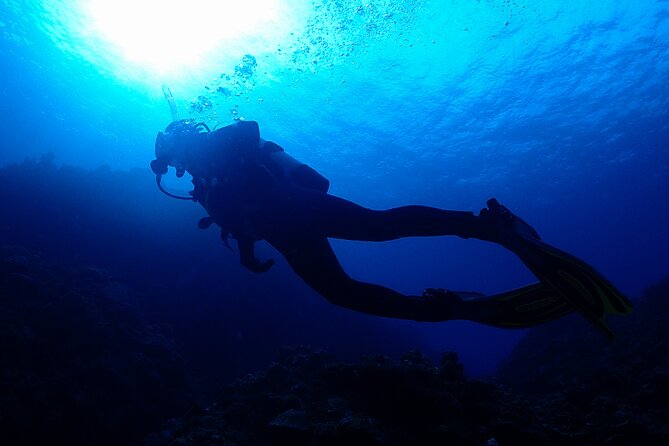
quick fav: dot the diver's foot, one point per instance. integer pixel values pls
(502, 225)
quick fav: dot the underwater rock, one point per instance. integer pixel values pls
(564, 384)
(77, 366)
(309, 398)
(291, 420)
(599, 391)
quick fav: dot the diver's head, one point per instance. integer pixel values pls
(171, 145)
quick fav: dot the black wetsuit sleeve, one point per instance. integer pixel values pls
(248, 259)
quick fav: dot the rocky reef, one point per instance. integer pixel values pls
(78, 364)
(307, 397)
(595, 391)
(565, 384)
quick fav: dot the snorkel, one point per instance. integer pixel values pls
(167, 143)
(170, 101)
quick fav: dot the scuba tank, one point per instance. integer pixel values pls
(288, 169)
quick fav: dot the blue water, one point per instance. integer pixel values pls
(558, 109)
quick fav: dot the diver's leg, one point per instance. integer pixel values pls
(315, 262)
(330, 216)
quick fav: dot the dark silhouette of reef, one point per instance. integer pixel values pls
(565, 384)
(595, 391)
(309, 398)
(79, 365)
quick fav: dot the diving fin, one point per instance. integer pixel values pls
(572, 279)
(520, 308)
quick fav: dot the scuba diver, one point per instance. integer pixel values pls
(253, 190)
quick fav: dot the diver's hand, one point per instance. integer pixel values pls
(248, 258)
(257, 266)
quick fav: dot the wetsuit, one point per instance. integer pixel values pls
(249, 196)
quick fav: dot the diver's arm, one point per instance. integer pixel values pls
(248, 258)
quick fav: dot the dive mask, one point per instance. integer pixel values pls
(168, 143)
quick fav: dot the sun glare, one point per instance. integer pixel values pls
(164, 36)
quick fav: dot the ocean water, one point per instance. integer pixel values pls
(559, 109)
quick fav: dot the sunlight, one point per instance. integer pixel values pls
(166, 36)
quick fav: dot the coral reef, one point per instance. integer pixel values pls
(595, 391)
(308, 398)
(564, 384)
(78, 365)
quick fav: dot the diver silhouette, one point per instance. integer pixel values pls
(253, 190)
